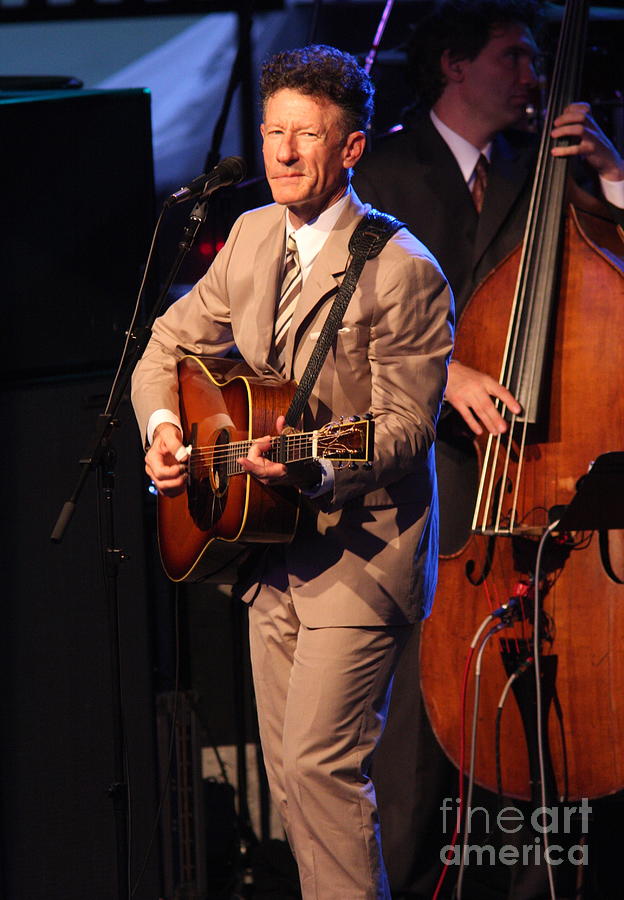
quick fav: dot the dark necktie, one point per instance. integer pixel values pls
(480, 182)
(289, 294)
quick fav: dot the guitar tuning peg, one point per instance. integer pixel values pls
(367, 465)
(367, 415)
(353, 465)
(353, 418)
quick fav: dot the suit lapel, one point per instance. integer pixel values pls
(442, 174)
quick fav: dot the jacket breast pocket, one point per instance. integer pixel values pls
(350, 340)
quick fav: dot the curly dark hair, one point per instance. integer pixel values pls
(322, 71)
(463, 27)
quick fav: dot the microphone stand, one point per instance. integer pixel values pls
(102, 457)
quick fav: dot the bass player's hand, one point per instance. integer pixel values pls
(588, 141)
(470, 392)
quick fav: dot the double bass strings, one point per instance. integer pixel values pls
(522, 369)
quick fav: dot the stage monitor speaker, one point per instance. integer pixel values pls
(77, 215)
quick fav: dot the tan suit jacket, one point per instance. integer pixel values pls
(370, 557)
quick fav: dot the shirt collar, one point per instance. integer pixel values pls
(464, 152)
(311, 237)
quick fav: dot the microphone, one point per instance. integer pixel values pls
(230, 170)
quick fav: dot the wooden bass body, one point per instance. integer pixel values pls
(582, 624)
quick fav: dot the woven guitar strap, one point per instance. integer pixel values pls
(367, 241)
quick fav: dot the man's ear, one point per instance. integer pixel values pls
(452, 67)
(353, 149)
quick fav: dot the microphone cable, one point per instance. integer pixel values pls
(498, 613)
(539, 714)
(135, 312)
(504, 613)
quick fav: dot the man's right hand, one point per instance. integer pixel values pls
(470, 392)
(167, 471)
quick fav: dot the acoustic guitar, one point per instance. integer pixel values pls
(223, 406)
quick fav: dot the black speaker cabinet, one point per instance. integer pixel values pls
(57, 827)
(77, 212)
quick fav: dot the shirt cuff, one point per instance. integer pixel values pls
(613, 192)
(157, 418)
(327, 481)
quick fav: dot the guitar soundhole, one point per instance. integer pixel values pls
(208, 482)
(218, 469)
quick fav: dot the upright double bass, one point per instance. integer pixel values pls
(548, 322)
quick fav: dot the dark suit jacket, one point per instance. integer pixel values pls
(413, 175)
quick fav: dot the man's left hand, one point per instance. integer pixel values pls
(259, 466)
(576, 121)
(296, 474)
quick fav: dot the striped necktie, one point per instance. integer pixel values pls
(480, 182)
(289, 294)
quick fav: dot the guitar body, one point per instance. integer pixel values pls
(221, 402)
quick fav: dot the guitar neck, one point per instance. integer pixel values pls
(285, 448)
(344, 441)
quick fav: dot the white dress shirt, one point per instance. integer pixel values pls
(467, 155)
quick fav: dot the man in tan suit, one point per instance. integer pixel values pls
(331, 611)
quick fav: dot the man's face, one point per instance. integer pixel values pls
(306, 153)
(497, 84)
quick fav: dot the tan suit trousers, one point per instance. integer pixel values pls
(322, 697)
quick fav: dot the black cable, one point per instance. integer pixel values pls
(498, 626)
(235, 79)
(497, 726)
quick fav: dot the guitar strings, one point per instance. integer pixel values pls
(538, 254)
(298, 447)
(294, 443)
(293, 454)
(240, 448)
